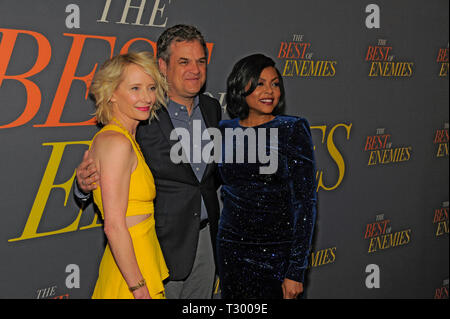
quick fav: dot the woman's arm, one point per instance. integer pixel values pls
(303, 203)
(116, 161)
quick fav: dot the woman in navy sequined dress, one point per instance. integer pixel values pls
(268, 216)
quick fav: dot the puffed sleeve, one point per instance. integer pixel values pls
(301, 169)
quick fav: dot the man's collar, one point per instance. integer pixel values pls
(174, 106)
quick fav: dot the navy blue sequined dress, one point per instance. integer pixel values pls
(267, 220)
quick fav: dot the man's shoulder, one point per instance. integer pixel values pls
(211, 108)
(206, 99)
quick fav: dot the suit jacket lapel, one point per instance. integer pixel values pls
(206, 113)
(166, 125)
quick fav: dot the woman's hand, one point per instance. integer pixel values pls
(291, 288)
(142, 293)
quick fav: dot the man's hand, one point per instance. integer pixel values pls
(291, 288)
(87, 174)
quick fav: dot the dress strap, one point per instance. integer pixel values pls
(136, 147)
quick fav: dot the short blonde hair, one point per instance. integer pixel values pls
(109, 76)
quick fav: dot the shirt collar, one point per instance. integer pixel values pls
(173, 106)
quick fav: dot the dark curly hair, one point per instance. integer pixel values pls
(245, 71)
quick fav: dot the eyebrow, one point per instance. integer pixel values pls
(139, 83)
(186, 59)
(275, 78)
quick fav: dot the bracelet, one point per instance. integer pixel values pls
(139, 285)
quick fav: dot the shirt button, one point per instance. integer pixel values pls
(197, 169)
(176, 113)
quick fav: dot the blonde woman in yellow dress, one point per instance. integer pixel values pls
(127, 89)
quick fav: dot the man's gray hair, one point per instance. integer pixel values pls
(179, 33)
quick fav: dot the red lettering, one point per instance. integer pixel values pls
(378, 139)
(385, 136)
(369, 230)
(68, 76)
(376, 142)
(210, 47)
(376, 229)
(283, 48)
(33, 92)
(305, 45)
(441, 293)
(437, 137)
(369, 55)
(386, 54)
(440, 215)
(293, 50)
(382, 226)
(377, 53)
(441, 136)
(442, 55)
(369, 143)
(437, 216)
(289, 51)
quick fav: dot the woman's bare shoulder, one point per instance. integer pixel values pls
(111, 143)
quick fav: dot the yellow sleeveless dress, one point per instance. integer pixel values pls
(110, 283)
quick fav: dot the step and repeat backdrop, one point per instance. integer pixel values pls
(370, 76)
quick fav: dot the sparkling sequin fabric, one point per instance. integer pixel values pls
(267, 220)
